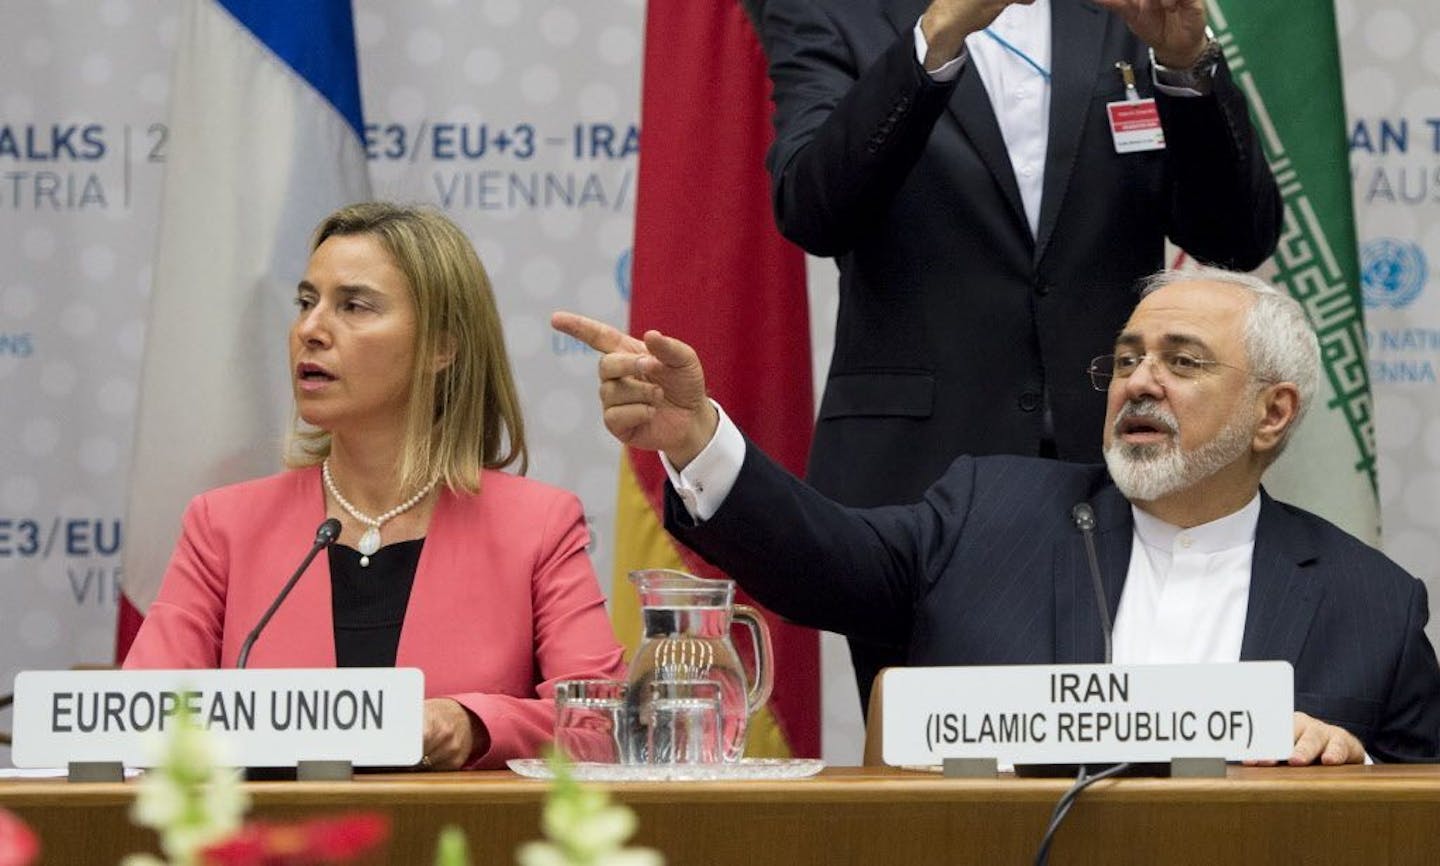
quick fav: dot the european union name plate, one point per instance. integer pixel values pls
(267, 718)
(1063, 714)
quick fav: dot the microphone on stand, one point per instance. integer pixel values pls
(1084, 517)
(324, 537)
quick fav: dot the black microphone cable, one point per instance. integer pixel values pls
(1084, 517)
(1062, 808)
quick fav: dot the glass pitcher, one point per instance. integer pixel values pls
(686, 636)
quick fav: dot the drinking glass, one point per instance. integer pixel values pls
(683, 723)
(591, 722)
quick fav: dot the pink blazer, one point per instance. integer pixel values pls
(504, 604)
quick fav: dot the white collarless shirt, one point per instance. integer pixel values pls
(1187, 591)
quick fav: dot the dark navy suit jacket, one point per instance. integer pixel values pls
(989, 569)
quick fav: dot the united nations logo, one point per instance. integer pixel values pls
(1392, 272)
(622, 275)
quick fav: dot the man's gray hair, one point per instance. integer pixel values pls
(1279, 341)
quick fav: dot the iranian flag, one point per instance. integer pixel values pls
(711, 269)
(1286, 58)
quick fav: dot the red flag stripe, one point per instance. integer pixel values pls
(710, 268)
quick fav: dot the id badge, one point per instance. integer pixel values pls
(1135, 125)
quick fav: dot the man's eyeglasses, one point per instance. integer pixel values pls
(1177, 362)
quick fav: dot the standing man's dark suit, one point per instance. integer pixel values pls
(989, 569)
(956, 327)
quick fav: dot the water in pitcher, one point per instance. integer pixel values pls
(691, 644)
(686, 638)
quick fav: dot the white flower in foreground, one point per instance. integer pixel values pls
(159, 801)
(584, 829)
(190, 797)
(631, 857)
(550, 854)
(541, 854)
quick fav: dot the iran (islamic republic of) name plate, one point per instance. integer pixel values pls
(1063, 714)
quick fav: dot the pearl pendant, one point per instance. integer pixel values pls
(364, 562)
(370, 541)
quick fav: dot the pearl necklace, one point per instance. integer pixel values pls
(370, 541)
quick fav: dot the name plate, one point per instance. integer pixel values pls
(1069, 714)
(268, 718)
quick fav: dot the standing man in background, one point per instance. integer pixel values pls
(993, 179)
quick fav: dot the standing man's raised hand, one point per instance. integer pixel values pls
(1174, 29)
(946, 23)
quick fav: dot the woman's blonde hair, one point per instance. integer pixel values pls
(465, 416)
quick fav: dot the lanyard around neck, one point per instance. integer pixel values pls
(1008, 46)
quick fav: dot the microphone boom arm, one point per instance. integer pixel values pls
(1084, 517)
(324, 537)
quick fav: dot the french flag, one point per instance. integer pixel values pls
(265, 139)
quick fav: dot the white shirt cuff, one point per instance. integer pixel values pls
(945, 74)
(706, 480)
(1170, 89)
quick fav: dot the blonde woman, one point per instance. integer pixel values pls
(407, 412)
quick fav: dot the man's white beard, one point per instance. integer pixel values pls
(1150, 471)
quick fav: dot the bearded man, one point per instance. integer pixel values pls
(1207, 382)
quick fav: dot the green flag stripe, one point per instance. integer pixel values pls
(1322, 275)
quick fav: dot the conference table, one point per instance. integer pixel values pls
(861, 815)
